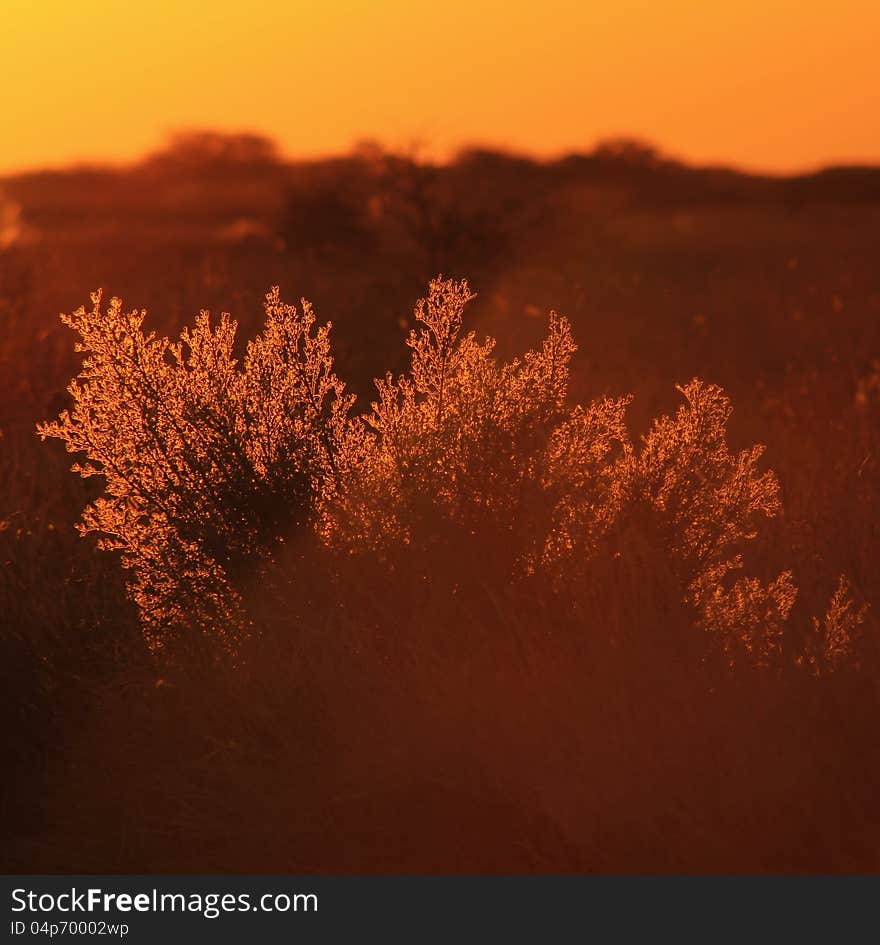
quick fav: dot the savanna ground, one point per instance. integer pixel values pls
(417, 708)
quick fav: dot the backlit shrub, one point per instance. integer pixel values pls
(464, 470)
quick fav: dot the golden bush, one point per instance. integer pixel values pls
(213, 463)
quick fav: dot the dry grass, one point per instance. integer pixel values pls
(382, 721)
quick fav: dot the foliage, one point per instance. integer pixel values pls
(207, 465)
(841, 630)
(211, 467)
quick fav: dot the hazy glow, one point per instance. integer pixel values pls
(766, 83)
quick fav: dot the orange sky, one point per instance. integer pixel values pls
(769, 84)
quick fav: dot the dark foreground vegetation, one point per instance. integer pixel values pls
(476, 626)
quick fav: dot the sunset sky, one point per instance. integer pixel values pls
(768, 84)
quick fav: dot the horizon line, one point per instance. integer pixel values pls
(440, 155)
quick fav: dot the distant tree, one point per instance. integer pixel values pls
(214, 151)
(460, 213)
(631, 152)
(424, 215)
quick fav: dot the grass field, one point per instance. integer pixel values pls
(384, 719)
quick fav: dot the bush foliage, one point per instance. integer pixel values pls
(467, 472)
